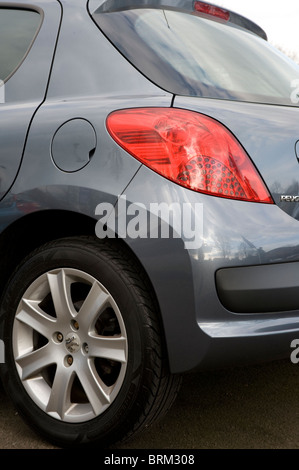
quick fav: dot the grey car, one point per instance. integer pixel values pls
(149, 187)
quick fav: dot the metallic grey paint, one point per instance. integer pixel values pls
(85, 79)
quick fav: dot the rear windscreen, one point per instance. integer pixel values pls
(186, 54)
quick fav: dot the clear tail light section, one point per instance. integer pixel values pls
(191, 149)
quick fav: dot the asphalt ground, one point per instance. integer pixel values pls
(243, 408)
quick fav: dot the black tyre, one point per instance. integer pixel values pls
(84, 356)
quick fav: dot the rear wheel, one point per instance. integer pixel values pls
(84, 353)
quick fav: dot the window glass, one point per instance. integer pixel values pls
(17, 31)
(190, 55)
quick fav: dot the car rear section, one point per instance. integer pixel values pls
(242, 281)
(161, 218)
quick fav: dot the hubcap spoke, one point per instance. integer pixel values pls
(95, 389)
(59, 288)
(32, 316)
(59, 401)
(113, 348)
(33, 362)
(94, 303)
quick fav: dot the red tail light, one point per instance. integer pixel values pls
(190, 149)
(211, 10)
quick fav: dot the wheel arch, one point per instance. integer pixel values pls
(33, 230)
(30, 231)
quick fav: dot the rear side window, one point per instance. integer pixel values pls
(190, 55)
(17, 31)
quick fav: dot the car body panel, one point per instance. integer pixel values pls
(78, 90)
(186, 287)
(25, 91)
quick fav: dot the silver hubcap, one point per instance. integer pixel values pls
(70, 345)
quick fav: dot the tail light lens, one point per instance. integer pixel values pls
(191, 149)
(212, 10)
